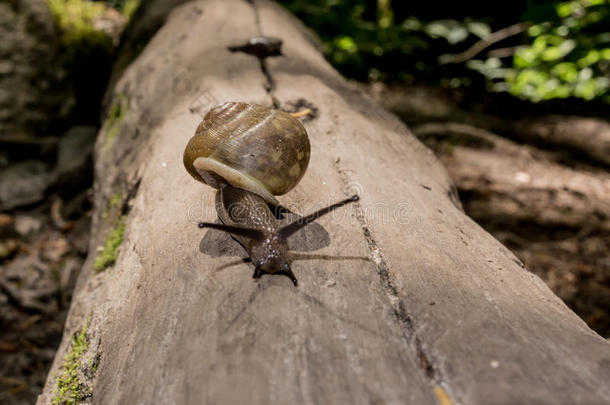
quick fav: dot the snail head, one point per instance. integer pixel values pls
(268, 251)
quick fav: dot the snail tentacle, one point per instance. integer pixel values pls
(253, 234)
(290, 229)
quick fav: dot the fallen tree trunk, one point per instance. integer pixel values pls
(524, 184)
(403, 299)
(581, 138)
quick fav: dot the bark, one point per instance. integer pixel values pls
(403, 298)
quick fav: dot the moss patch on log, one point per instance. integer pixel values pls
(113, 209)
(112, 125)
(70, 387)
(107, 257)
(116, 199)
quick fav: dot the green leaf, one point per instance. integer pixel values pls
(592, 57)
(479, 29)
(566, 9)
(551, 53)
(457, 34)
(525, 57)
(436, 30)
(346, 44)
(534, 30)
(565, 71)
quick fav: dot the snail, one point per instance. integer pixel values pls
(251, 154)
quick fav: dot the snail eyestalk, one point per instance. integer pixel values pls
(288, 230)
(253, 234)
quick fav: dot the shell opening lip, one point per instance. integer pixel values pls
(233, 177)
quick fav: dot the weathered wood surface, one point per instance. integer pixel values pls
(405, 300)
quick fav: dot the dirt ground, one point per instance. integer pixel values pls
(40, 257)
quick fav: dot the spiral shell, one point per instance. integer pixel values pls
(249, 146)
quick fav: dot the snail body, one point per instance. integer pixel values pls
(245, 209)
(252, 153)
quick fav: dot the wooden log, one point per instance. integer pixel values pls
(515, 184)
(403, 299)
(583, 139)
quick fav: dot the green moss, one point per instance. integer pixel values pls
(107, 257)
(70, 388)
(116, 113)
(116, 199)
(129, 8)
(114, 206)
(95, 363)
(75, 19)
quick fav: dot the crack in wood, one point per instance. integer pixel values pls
(425, 359)
(257, 17)
(426, 362)
(269, 85)
(132, 191)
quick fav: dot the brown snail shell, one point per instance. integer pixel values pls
(249, 146)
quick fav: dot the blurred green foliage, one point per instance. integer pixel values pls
(364, 40)
(564, 53)
(75, 20)
(567, 56)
